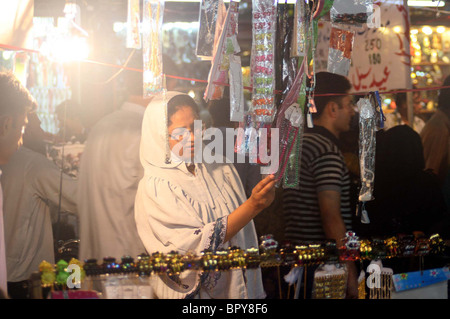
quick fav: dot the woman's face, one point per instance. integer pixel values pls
(181, 133)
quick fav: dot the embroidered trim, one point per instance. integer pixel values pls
(195, 291)
(217, 237)
(176, 279)
(216, 240)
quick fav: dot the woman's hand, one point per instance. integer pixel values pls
(263, 194)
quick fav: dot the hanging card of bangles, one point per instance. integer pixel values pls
(298, 37)
(209, 12)
(354, 12)
(152, 47)
(263, 49)
(340, 51)
(133, 19)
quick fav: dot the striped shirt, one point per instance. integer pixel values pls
(322, 168)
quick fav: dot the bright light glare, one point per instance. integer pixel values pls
(397, 29)
(440, 29)
(427, 30)
(67, 49)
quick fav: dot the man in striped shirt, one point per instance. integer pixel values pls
(320, 208)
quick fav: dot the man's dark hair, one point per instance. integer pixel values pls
(329, 83)
(220, 112)
(14, 97)
(444, 96)
(177, 101)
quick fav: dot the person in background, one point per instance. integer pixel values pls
(31, 183)
(110, 172)
(320, 209)
(407, 197)
(400, 115)
(15, 103)
(436, 140)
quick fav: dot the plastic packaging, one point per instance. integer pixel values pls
(209, 12)
(152, 47)
(133, 19)
(247, 138)
(227, 65)
(340, 51)
(290, 147)
(286, 65)
(367, 146)
(237, 104)
(354, 12)
(298, 47)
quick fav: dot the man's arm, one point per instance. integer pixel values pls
(334, 228)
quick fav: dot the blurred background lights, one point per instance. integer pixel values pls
(440, 29)
(427, 30)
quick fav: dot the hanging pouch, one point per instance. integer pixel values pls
(367, 146)
(340, 51)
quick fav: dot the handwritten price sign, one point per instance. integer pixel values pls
(381, 57)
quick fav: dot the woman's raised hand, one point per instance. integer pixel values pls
(263, 193)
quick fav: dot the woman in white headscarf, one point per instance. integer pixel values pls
(184, 209)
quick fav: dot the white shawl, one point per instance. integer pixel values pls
(177, 211)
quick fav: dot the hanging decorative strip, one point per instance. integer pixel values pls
(367, 146)
(225, 59)
(290, 119)
(371, 120)
(300, 23)
(263, 50)
(299, 95)
(152, 47)
(290, 146)
(210, 10)
(133, 19)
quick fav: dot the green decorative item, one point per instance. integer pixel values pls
(48, 276)
(62, 274)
